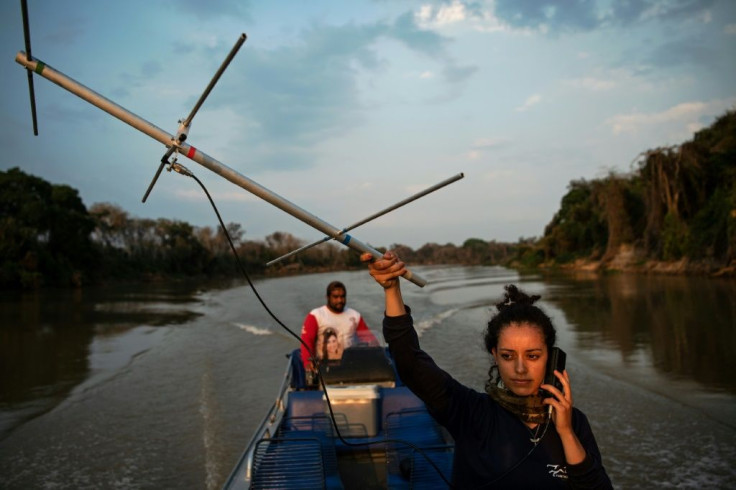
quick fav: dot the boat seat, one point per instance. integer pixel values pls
(320, 427)
(415, 426)
(423, 474)
(288, 463)
(396, 399)
(407, 430)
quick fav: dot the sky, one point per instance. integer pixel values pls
(345, 108)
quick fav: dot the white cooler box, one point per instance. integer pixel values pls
(355, 409)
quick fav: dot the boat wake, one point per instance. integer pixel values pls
(253, 329)
(209, 437)
(423, 325)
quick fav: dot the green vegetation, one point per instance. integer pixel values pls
(679, 202)
(49, 238)
(44, 233)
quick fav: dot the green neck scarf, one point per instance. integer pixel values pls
(529, 409)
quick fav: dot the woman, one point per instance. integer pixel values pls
(331, 348)
(501, 437)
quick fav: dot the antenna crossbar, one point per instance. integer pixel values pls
(198, 156)
(370, 218)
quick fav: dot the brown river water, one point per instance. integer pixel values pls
(162, 385)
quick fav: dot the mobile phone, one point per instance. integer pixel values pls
(555, 360)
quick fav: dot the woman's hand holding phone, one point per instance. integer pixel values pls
(556, 390)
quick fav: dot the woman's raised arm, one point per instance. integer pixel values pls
(386, 271)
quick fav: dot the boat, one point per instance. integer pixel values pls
(369, 431)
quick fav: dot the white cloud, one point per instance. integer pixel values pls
(623, 80)
(450, 14)
(443, 15)
(688, 114)
(454, 14)
(426, 74)
(425, 14)
(532, 100)
(624, 123)
(730, 29)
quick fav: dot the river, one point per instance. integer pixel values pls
(162, 385)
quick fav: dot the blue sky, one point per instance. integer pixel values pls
(345, 108)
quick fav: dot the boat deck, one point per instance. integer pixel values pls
(382, 437)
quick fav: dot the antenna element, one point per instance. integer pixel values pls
(184, 125)
(27, 36)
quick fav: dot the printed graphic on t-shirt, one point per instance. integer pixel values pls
(557, 471)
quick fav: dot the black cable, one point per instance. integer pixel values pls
(184, 171)
(518, 463)
(188, 173)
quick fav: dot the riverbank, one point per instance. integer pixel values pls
(629, 260)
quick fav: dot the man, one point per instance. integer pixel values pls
(347, 322)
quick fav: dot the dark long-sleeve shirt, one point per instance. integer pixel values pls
(492, 445)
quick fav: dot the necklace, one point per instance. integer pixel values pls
(535, 437)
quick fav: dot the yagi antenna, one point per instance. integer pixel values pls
(370, 218)
(178, 144)
(27, 36)
(186, 123)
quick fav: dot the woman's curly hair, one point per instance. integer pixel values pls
(518, 307)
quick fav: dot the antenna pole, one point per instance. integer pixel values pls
(27, 37)
(200, 157)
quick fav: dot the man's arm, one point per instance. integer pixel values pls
(364, 334)
(309, 335)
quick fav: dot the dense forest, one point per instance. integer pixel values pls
(677, 204)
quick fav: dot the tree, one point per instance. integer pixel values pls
(477, 251)
(182, 253)
(44, 233)
(611, 197)
(112, 225)
(579, 227)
